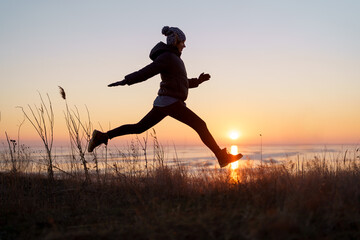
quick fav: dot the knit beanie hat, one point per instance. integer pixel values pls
(173, 35)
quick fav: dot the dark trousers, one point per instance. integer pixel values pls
(177, 110)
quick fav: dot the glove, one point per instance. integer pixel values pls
(118, 83)
(204, 77)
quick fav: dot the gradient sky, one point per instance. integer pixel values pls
(289, 70)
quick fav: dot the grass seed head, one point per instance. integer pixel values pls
(62, 93)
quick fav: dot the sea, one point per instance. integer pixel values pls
(193, 157)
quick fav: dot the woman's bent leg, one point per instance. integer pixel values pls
(151, 119)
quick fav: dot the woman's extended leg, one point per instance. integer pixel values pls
(182, 113)
(150, 120)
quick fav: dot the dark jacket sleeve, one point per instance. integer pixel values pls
(193, 82)
(147, 72)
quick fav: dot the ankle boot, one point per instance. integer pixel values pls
(97, 139)
(224, 158)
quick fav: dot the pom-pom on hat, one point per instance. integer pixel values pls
(173, 35)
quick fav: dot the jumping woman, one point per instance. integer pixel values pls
(171, 97)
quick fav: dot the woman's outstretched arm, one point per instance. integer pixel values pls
(143, 74)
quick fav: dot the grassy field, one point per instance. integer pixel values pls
(317, 198)
(308, 199)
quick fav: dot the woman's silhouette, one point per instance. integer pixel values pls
(171, 96)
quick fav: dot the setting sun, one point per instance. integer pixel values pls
(234, 135)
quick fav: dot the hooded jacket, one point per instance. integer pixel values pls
(167, 62)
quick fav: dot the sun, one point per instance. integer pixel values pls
(234, 135)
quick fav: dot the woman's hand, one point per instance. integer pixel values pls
(204, 77)
(118, 83)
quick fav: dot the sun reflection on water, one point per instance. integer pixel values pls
(234, 167)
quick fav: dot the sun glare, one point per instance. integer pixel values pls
(234, 135)
(234, 150)
(234, 165)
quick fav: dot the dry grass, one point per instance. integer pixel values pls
(313, 199)
(122, 199)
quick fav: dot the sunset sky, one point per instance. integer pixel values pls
(289, 70)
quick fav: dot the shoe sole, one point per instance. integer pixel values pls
(91, 143)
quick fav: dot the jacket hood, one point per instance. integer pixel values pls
(161, 48)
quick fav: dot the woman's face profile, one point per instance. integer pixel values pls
(180, 46)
